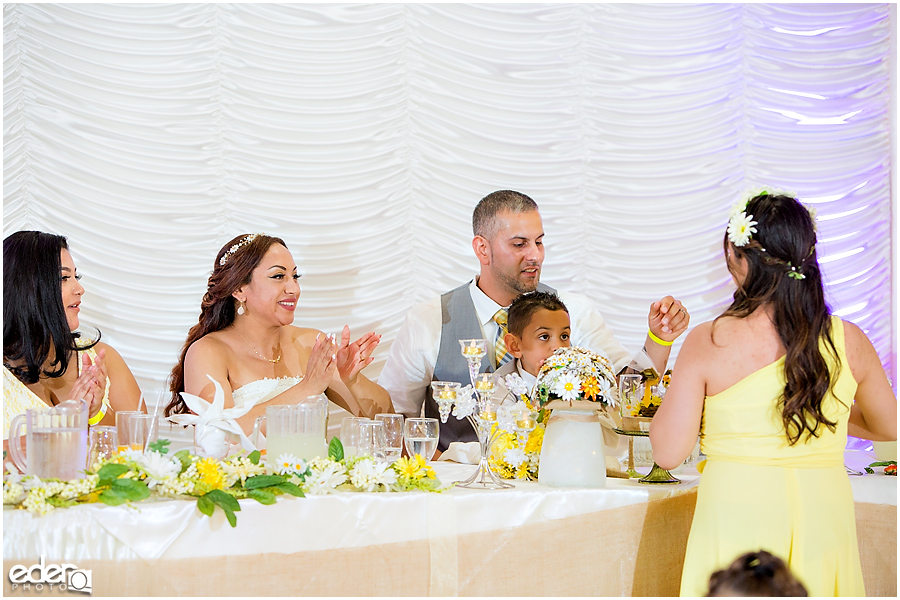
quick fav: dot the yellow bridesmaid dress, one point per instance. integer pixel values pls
(17, 398)
(757, 492)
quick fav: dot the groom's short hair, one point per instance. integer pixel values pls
(484, 216)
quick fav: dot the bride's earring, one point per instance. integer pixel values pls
(240, 309)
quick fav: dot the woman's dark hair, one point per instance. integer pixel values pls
(756, 574)
(524, 306)
(35, 327)
(217, 310)
(783, 271)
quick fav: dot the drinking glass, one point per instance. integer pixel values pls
(350, 435)
(123, 418)
(103, 442)
(142, 430)
(393, 435)
(630, 393)
(421, 437)
(371, 439)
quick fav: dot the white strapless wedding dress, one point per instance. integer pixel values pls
(262, 390)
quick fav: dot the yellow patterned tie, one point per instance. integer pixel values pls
(501, 354)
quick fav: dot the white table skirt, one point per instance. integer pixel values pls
(175, 529)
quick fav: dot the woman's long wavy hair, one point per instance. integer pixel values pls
(784, 243)
(35, 327)
(217, 310)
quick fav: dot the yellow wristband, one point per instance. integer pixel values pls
(659, 341)
(99, 416)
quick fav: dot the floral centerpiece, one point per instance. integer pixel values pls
(572, 377)
(650, 400)
(132, 476)
(577, 377)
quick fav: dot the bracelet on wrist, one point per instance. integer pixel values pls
(99, 416)
(658, 340)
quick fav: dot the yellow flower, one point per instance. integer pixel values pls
(429, 473)
(421, 463)
(590, 387)
(535, 439)
(522, 473)
(210, 474)
(407, 467)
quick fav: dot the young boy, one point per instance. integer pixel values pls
(538, 324)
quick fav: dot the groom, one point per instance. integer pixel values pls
(508, 243)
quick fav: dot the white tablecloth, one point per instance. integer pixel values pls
(175, 529)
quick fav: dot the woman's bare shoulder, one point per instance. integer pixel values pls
(211, 345)
(860, 352)
(699, 337)
(110, 351)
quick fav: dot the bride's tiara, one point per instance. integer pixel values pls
(247, 239)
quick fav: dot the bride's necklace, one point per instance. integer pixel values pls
(274, 361)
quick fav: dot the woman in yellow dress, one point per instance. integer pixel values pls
(773, 385)
(45, 361)
(245, 340)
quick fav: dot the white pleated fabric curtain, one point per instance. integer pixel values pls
(364, 135)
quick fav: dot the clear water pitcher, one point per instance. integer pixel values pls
(294, 429)
(56, 440)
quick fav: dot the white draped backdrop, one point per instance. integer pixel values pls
(365, 134)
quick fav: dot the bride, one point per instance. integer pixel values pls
(245, 340)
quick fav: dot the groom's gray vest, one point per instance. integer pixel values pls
(459, 322)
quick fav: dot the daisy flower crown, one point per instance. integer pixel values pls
(741, 228)
(247, 239)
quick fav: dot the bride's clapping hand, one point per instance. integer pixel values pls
(321, 365)
(353, 358)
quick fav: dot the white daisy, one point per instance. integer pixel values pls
(287, 464)
(737, 209)
(740, 228)
(567, 386)
(515, 457)
(158, 467)
(324, 477)
(369, 475)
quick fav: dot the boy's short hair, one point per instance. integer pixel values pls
(524, 307)
(756, 574)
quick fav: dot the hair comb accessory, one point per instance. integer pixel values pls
(795, 272)
(247, 239)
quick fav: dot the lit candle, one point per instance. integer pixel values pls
(484, 383)
(487, 415)
(472, 349)
(446, 393)
(525, 423)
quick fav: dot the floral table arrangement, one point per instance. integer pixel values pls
(890, 467)
(573, 379)
(132, 476)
